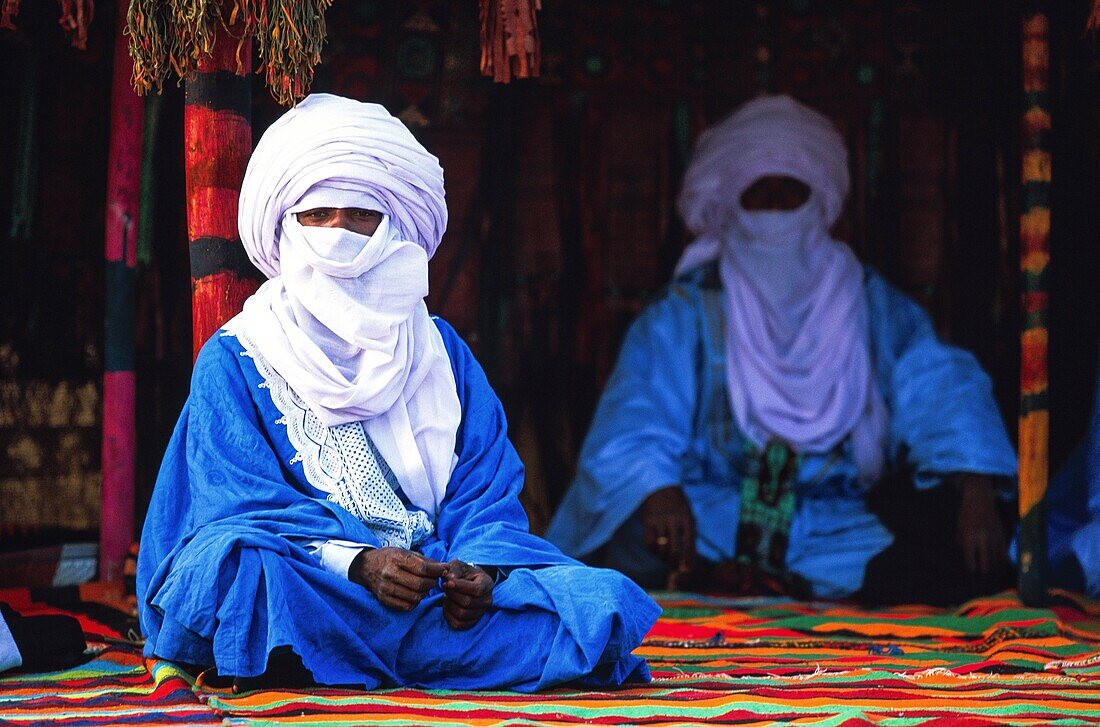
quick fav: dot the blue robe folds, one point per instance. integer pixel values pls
(1073, 508)
(224, 575)
(664, 419)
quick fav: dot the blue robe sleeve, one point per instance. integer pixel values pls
(222, 487)
(1086, 541)
(1092, 461)
(943, 417)
(231, 467)
(642, 427)
(481, 519)
(1073, 507)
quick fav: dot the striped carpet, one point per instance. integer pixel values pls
(117, 687)
(715, 661)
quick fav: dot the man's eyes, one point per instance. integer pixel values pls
(324, 213)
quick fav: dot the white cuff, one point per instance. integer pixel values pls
(335, 556)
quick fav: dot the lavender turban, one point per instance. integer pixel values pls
(343, 144)
(772, 135)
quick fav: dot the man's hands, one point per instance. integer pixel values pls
(670, 528)
(401, 579)
(979, 530)
(467, 594)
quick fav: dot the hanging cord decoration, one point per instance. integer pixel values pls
(171, 36)
(509, 39)
(1094, 17)
(8, 10)
(76, 16)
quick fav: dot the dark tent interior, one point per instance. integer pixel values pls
(563, 227)
(561, 192)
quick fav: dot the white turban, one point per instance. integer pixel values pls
(771, 135)
(342, 319)
(344, 144)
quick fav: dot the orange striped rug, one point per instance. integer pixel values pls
(714, 660)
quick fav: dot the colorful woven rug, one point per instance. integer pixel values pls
(715, 661)
(117, 687)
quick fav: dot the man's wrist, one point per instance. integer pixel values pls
(358, 564)
(496, 574)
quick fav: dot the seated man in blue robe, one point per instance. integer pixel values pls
(1073, 514)
(775, 388)
(339, 501)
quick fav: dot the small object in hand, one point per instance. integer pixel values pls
(669, 526)
(467, 594)
(399, 578)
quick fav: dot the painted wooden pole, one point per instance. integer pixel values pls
(1034, 259)
(218, 142)
(120, 246)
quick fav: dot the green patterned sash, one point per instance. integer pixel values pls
(767, 507)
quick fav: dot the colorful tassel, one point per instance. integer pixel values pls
(169, 36)
(509, 39)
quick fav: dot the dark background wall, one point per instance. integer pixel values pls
(561, 194)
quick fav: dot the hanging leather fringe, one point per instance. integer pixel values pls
(76, 15)
(1094, 17)
(509, 39)
(172, 35)
(8, 10)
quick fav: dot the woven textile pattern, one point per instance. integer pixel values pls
(715, 661)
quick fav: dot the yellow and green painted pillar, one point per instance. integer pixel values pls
(1034, 261)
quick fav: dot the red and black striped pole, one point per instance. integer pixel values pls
(116, 530)
(217, 142)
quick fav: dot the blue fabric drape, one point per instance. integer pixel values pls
(1073, 506)
(664, 419)
(224, 576)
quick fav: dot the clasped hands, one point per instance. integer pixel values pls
(401, 579)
